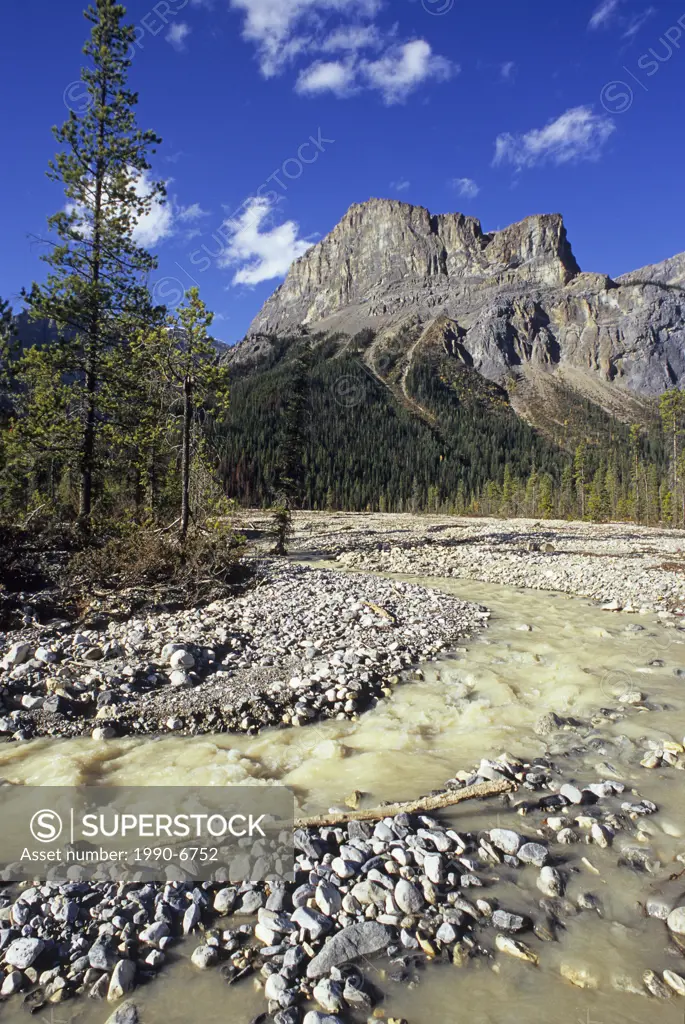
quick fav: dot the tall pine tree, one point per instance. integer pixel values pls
(96, 290)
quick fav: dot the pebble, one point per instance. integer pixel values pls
(408, 897)
(675, 981)
(676, 921)
(550, 882)
(204, 957)
(508, 922)
(505, 840)
(516, 949)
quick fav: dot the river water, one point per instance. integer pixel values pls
(543, 652)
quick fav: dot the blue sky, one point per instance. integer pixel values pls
(276, 115)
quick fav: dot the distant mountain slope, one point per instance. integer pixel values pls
(514, 301)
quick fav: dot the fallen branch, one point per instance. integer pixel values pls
(426, 803)
(32, 514)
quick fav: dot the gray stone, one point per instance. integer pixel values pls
(310, 921)
(408, 897)
(17, 654)
(191, 918)
(329, 995)
(250, 903)
(23, 952)
(508, 922)
(122, 981)
(328, 899)
(153, 934)
(224, 901)
(127, 1013)
(533, 853)
(181, 659)
(676, 920)
(356, 940)
(505, 840)
(550, 882)
(204, 957)
(12, 983)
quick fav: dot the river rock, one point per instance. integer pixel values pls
(127, 1013)
(328, 899)
(328, 995)
(23, 952)
(224, 901)
(18, 654)
(123, 980)
(314, 1017)
(154, 934)
(675, 981)
(408, 898)
(533, 853)
(12, 983)
(181, 659)
(676, 920)
(310, 921)
(205, 957)
(352, 942)
(508, 922)
(505, 840)
(433, 868)
(275, 986)
(550, 882)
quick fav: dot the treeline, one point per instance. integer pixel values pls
(363, 449)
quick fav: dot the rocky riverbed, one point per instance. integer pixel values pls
(625, 566)
(297, 645)
(410, 889)
(588, 842)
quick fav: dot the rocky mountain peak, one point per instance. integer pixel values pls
(515, 299)
(388, 255)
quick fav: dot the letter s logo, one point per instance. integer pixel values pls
(46, 826)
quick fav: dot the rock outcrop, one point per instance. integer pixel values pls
(515, 299)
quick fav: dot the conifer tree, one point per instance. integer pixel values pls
(672, 410)
(183, 357)
(96, 289)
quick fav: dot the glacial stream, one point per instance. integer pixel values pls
(483, 699)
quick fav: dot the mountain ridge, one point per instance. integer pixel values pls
(516, 300)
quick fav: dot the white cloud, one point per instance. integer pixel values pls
(158, 223)
(326, 76)
(507, 70)
(177, 35)
(395, 75)
(466, 187)
(609, 12)
(276, 27)
(604, 13)
(261, 253)
(404, 68)
(353, 38)
(400, 186)
(288, 31)
(192, 212)
(637, 21)
(152, 227)
(578, 134)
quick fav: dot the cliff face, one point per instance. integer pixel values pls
(516, 299)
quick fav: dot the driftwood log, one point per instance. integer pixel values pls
(426, 803)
